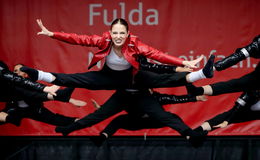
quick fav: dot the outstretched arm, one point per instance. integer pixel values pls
(160, 68)
(152, 53)
(26, 83)
(173, 99)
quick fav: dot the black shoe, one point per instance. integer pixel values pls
(197, 141)
(254, 48)
(98, 140)
(33, 73)
(197, 137)
(208, 70)
(64, 94)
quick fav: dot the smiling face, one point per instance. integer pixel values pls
(119, 34)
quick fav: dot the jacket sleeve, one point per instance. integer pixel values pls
(84, 40)
(20, 81)
(157, 68)
(157, 55)
(173, 99)
(30, 95)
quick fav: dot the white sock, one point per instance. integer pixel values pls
(245, 52)
(45, 76)
(194, 76)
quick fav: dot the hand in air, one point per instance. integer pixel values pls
(44, 30)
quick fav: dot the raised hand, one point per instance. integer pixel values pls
(44, 30)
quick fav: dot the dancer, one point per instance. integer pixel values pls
(120, 49)
(32, 107)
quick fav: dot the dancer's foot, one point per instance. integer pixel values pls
(62, 130)
(98, 140)
(33, 73)
(196, 136)
(208, 70)
(198, 140)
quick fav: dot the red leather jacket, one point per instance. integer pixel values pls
(131, 49)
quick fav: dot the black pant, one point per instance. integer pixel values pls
(147, 79)
(109, 79)
(247, 82)
(133, 123)
(96, 80)
(137, 104)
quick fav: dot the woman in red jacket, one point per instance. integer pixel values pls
(120, 50)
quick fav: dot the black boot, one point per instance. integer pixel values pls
(254, 48)
(64, 94)
(33, 73)
(208, 70)
(65, 130)
(230, 60)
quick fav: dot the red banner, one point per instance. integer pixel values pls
(181, 28)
